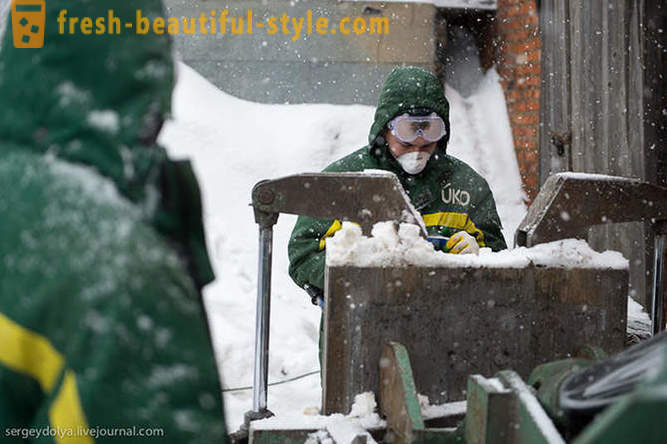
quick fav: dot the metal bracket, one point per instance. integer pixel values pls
(658, 299)
(399, 402)
(365, 198)
(568, 204)
(505, 410)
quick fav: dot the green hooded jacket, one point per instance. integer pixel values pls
(103, 335)
(450, 195)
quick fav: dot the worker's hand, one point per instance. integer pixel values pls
(462, 243)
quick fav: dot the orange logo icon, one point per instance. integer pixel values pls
(28, 21)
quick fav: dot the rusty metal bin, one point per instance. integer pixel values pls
(461, 321)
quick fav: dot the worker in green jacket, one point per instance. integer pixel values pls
(409, 138)
(103, 335)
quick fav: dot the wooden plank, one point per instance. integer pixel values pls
(577, 89)
(603, 78)
(654, 89)
(554, 95)
(635, 61)
(618, 160)
(590, 49)
(603, 89)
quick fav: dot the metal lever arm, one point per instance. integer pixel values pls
(364, 198)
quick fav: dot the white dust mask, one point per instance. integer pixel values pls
(414, 162)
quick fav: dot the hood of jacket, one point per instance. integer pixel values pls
(92, 99)
(407, 89)
(100, 100)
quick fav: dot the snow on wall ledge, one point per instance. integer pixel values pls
(474, 4)
(389, 247)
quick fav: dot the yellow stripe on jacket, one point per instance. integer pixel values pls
(457, 221)
(27, 352)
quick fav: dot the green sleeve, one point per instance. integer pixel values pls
(485, 217)
(306, 245)
(306, 255)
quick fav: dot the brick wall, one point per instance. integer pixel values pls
(519, 68)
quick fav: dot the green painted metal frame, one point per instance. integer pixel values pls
(399, 402)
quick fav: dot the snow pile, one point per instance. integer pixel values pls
(429, 410)
(233, 144)
(388, 246)
(639, 323)
(363, 416)
(364, 408)
(319, 437)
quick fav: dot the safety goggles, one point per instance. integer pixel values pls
(407, 128)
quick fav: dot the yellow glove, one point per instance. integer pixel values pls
(462, 243)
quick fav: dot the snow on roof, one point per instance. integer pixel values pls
(388, 247)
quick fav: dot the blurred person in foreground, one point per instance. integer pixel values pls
(102, 250)
(409, 138)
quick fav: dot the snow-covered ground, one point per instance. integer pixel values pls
(234, 144)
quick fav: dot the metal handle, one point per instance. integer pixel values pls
(658, 321)
(261, 371)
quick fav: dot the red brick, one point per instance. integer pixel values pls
(527, 70)
(525, 46)
(521, 157)
(525, 145)
(528, 81)
(525, 118)
(534, 56)
(533, 81)
(525, 131)
(523, 106)
(531, 158)
(520, 35)
(517, 25)
(524, 93)
(530, 185)
(521, 8)
(521, 22)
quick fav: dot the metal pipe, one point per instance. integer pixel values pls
(261, 371)
(658, 322)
